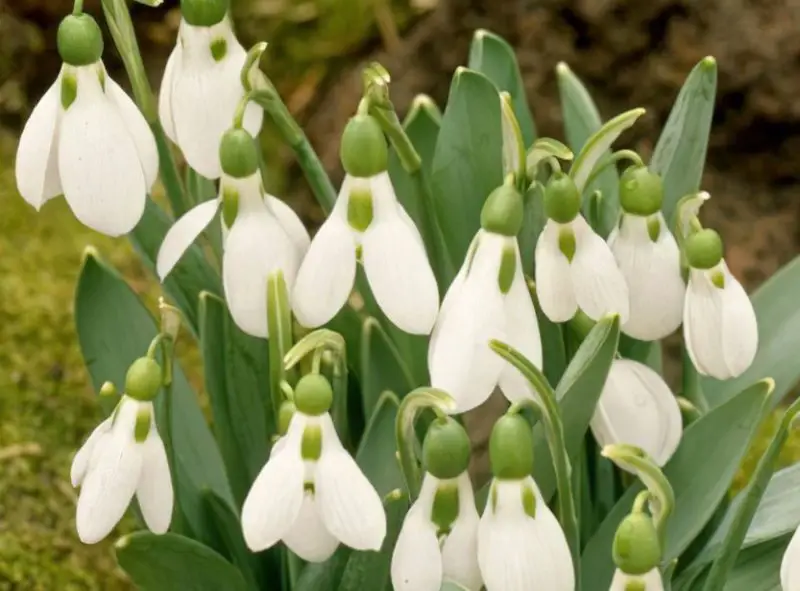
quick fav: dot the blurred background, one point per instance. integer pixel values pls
(629, 53)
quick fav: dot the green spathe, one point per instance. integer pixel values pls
(204, 13)
(503, 211)
(511, 448)
(636, 549)
(641, 192)
(704, 249)
(364, 153)
(238, 154)
(79, 40)
(446, 449)
(562, 200)
(143, 380)
(313, 395)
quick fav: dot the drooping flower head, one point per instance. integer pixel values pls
(311, 494)
(367, 224)
(124, 456)
(438, 542)
(637, 552)
(648, 257)
(488, 299)
(262, 234)
(87, 140)
(202, 85)
(575, 268)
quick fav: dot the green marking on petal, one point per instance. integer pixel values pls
(142, 427)
(69, 90)
(445, 506)
(230, 205)
(718, 279)
(101, 76)
(566, 242)
(219, 49)
(493, 497)
(309, 487)
(635, 585)
(311, 446)
(508, 268)
(529, 500)
(359, 209)
(653, 228)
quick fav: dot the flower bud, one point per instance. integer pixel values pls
(285, 416)
(502, 213)
(363, 149)
(446, 449)
(108, 389)
(238, 154)
(511, 448)
(79, 40)
(562, 200)
(704, 249)
(636, 549)
(313, 394)
(204, 13)
(641, 192)
(143, 380)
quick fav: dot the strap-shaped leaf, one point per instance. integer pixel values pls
(382, 367)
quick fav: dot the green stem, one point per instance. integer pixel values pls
(170, 177)
(77, 7)
(612, 161)
(386, 116)
(431, 228)
(279, 326)
(692, 390)
(154, 344)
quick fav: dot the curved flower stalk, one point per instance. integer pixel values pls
(488, 299)
(521, 545)
(575, 268)
(311, 494)
(637, 407)
(648, 257)
(261, 235)
(124, 456)
(202, 85)
(438, 542)
(367, 222)
(87, 140)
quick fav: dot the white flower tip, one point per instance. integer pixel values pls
(89, 532)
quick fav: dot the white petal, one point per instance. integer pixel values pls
(255, 247)
(417, 560)
(790, 565)
(599, 286)
(522, 333)
(460, 550)
(326, 275)
(517, 552)
(653, 275)
(308, 537)
(37, 162)
(138, 129)
(274, 502)
(165, 93)
(350, 506)
(637, 407)
(154, 491)
(80, 464)
(739, 326)
(291, 224)
(102, 178)
(182, 234)
(651, 579)
(399, 274)
(461, 362)
(554, 287)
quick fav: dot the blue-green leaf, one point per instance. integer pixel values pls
(382, 367)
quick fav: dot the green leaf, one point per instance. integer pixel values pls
(680, 154)
(756, 569)
(237, 380)
(492, 56)
(581, 120)
(192, 275)
(533, 220)
(467, 164)
(382, 367)
(114, 329)
(171, 562)
(554, 352)
(699, 481)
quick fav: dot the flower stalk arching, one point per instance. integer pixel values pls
(546, 407)
(612, 160)
(279, 326)
(439, 402)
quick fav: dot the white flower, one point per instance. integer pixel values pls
(651, 581)
(487, 300)
(114, 464)
(651, 268)
(392, 252)
(589, 280)
(266, 236)
(790, 565)
(425, 556)
(312, 504)
(637, 407)
(88, 140)
(719, 323)
(520, 552)
(200, 92)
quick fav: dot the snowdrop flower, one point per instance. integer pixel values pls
(262, 235)
(790, 565)
(124, 457)
(311, 494)
(636, 552)
(719, 323)
(521, 545)
(87, 140)
(648, 257)
(574, 266)
(438, 542)
(637, 407)
(487, 300)
(367, 223)
(202, 86)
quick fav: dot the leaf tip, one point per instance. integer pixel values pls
(769, 384)
(563, 70)
(709, 63)
(90, 252)
(122, 543)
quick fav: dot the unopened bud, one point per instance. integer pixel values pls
(143, 380)
(313, 394)
(636, 549)
(238, 154)
(446, 449)
(364, 152)
(641, 192)
(562, 200)
(511, 448)
(704, 249)
(503, 211)
(79, 40)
